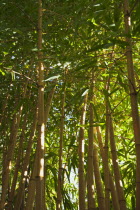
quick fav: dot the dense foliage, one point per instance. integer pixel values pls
(79, 38)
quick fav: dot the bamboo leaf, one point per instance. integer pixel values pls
(85, 92)
(52, 78)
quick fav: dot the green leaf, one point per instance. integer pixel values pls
(2, 72)
(124, 85)
(85, 92)
(35, 50)
(52, 78)
(133, 202)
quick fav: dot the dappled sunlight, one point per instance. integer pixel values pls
(42, 167)
(10, 165)
(121, 184)
(69, 99)
(42, 136)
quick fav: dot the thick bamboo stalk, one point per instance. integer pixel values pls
(40, 142)
(25, 164)
(48, 104)
(98, 181)
(133, 96)
(10, 153)
(106, 165)
(60, 170)
(17, 165)
(90, 180)
(117, 175)
(114, 195)
(9, 157)
(106, 151)
(104, 154)
(46, 116)
(2, 115)
(81, 157)
(32, 186)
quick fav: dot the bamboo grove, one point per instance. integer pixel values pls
(69, 105)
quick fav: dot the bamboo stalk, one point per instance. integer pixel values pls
(90, 179)
(133, 96)
(31, 189)
(117, 175)
(10, 151)
(98, 181)
(60, 170)
(81, 157)
(17, 165)
(106, 165)
(24, 173)
(32, 186)
(41, 127)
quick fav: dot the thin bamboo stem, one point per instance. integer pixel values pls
(81, 157)
(60, 170)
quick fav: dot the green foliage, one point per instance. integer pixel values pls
(78, 37)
